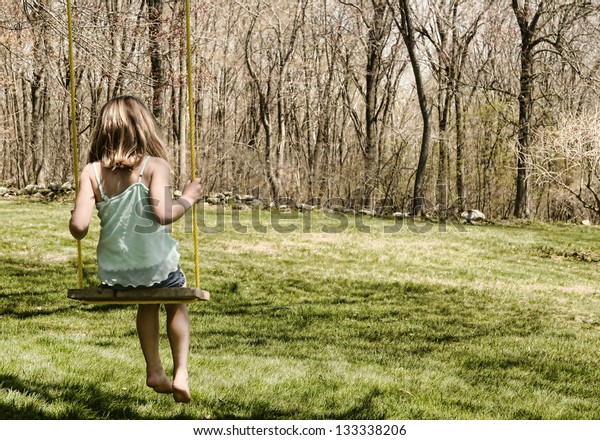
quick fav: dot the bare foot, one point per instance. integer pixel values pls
(181, 389)
(159, 382)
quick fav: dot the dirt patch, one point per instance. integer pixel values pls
(575, 255)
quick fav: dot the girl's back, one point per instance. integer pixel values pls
(134, 249)
(116, 181)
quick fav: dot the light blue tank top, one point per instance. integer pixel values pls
(133, 249)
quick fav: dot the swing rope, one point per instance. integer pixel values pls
(191, 139)
(190, 90)
(75, 147)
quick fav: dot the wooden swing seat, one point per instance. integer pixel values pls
(170, 295)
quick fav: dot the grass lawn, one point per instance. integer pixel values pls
(315, 319)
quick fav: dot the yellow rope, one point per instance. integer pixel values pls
(74, 132)
(188, 34)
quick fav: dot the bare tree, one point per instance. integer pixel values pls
(462, 42)
(568, 156)
(377, 88)
(404, 21)
(155, 11)
(269, 75)
(545, 26)
(378, 34)
(528, 15)
(450, 30)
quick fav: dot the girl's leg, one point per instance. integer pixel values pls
(178, 330)
(148, 332)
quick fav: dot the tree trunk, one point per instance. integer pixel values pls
(460, 143)
(523, 138)
(183, 118)
(38, 96)
(375, 43)
(408, 35)
(444, 159)
(155, 10)
(528, 31)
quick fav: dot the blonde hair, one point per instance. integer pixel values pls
(125, 132)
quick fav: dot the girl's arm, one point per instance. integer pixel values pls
(84, 205)
(166, 209)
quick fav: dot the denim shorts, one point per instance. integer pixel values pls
(174, 279)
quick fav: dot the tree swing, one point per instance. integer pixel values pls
(138, 295)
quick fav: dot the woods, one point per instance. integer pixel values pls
(428, 107)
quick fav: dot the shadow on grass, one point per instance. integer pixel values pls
(30, 289)
(391, 318)
(362, 410)
(81, 401)
(364, 407)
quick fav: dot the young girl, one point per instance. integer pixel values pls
(127, 180)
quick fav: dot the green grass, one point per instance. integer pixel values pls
(476, 322)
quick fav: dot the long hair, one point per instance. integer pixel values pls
(125, 132)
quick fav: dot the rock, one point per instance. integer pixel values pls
(349, 211)
(237, 206)
(213, 200)
(67, 186)
(38, 195)
(54, 187)
(473, 215)
(586, 223)
(256, 202)
(384, 211)
(367, 212)
(400, 215)
(31, 189)
(44, 191)
(21, 192)
(3, 191)
(246, 198)
(337, 208)
(304, 207)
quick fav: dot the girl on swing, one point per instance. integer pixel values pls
(127, 180)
